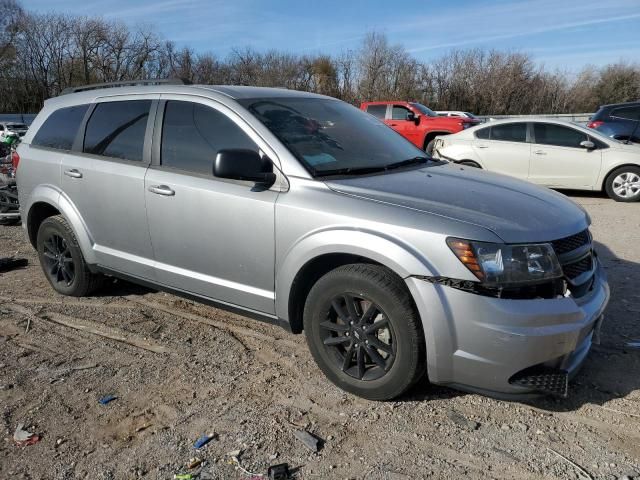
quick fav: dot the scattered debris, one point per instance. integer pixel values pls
(279, 472)
(183, 476)
(310, 441)
(635, 344)
(143, 427)
(23, 437)
(581, 471)
(11, 263)
(107, 399)
(462, 421)
(234, 453)
(619, 411)
(194, 462)
(203, 440)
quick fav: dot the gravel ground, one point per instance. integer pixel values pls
(180, 370)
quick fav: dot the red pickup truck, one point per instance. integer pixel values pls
(415, 122)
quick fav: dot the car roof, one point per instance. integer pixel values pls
(623, 104)
(234, 92)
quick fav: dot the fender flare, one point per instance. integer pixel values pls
(389, 251)
(54, 197)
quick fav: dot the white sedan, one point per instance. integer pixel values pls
(548, 152)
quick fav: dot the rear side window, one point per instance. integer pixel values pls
(483, 133)
(60, 128)
(377, 111)
(117, 129)
(192, 135)
(627, 113)
(550, 134)
(509, 132)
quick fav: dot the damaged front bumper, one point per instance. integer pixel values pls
(507, 347)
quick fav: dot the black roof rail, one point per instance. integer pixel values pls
(127, 83)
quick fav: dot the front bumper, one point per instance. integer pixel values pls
(480, 343)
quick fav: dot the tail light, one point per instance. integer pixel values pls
(15, 160)
(595, 123)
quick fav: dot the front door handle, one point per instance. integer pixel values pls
(483, 146)
(73, 173)
(540, 152)
(162, 190)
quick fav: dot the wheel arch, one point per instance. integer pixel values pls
(46, 201)
(611, 170)
(316, 255)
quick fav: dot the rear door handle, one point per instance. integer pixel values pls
(162, 190)
(73, 173)
(483, 146)
(540, 152)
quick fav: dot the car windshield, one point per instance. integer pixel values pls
(425, 110)
(470, 115)
(330, 137)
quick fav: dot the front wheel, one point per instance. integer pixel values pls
(623, 184)
(363, 331)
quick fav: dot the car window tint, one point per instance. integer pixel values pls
(399, 112)
(550, 134)
(377, 110)
(483, 133)
(192, 135)
(509, 132)
(117, 129)
(627, 113)
(60, 128)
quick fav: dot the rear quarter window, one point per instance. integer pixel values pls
(59, 130)
(483, 133)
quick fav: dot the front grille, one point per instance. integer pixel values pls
(573, 270)
(568, 244)
(575, 260)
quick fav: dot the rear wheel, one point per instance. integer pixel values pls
(62, 261)
(363, 331)
(429, 147)
(623, 184)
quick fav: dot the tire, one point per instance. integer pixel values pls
(470, 163)
(623, 184)
(62, 261)
(429, 147)
(389, 359)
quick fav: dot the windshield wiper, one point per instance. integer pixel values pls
(407, 162)
(365, 170)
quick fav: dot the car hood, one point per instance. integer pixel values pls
(515, 210)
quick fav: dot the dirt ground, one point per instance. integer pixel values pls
(190, 370)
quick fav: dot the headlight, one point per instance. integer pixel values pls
(496, 264)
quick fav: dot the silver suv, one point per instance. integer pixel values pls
(302, 210)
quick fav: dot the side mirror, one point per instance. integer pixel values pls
(412, 117)
(240, 164)
(588, 144)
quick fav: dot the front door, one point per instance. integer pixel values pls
(211, 237)
(400, 122)
(558, 159)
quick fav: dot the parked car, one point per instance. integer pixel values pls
(19, 128)
(619, 121)
(301, 210)
(451, 113)
(417, 123)
(553, 153)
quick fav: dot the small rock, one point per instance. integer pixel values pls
(310, 441)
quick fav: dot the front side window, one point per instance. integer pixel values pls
(192, 135)
(329, 136)
(550, 134)
(378, 111)
(117, 129)
(509, 132)
(59, 130)
(399, 112)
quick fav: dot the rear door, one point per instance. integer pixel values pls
(212, 237)
(504, 148)
(558, 160)
(104, 179)
(400, 122)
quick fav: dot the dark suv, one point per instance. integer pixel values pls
(615, 121)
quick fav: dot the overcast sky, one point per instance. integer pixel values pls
(559, 33)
